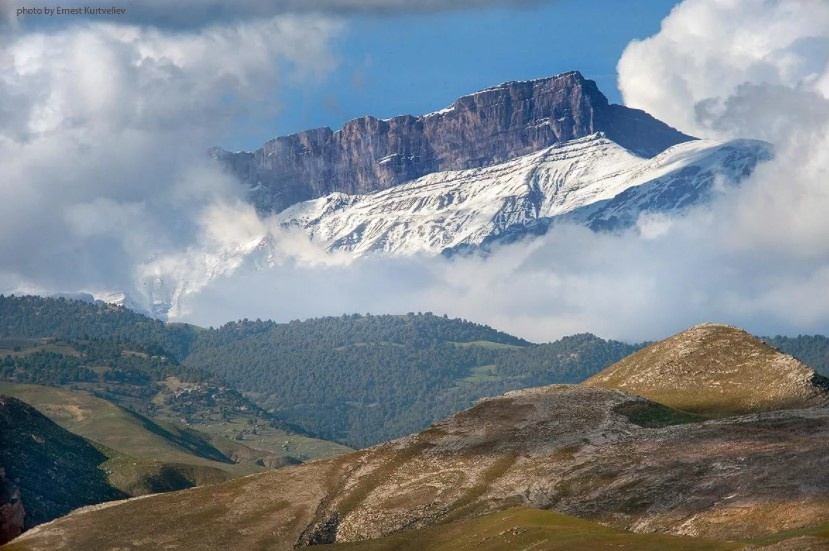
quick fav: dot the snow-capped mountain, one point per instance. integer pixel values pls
(482, 129)
(495, 166)
(591, 180)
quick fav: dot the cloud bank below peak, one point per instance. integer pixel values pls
(104, 130)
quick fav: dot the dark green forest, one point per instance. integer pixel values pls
(357, 379)
(813, 350)
(35, 317)
(57, 362)
(364, 379)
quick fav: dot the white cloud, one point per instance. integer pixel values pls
(571, 280)
(733, 68)
(104, 130)
(706, 49)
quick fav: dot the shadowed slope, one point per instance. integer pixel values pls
(115, 427)
(48, 471)
(716, 370)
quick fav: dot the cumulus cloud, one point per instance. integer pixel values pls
(726, 68)
(707, 50)
(103, 137)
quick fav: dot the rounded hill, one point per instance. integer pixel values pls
(717, 370)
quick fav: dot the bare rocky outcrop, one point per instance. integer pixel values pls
(481, 129)
(323, 532)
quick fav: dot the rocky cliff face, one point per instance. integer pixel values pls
(482, 129)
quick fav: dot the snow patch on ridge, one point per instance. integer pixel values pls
(581, 179)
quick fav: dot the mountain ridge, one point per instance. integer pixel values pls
(327, 184)
(591, 181)
(296, 368)
(487, 127)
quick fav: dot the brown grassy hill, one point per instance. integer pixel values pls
(538, 530)
(599, 454)
(522, 528)
(716, 370)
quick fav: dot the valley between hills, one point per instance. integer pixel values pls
(710, 439)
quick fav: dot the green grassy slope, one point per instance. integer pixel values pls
(813, 538)
(522, 528)
(159, 442)
(178, 398)
(117, 428)
(139, 477)
(55, 471)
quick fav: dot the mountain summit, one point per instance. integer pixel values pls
(716, 369)
(482, 129)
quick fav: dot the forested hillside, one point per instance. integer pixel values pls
(357, 379)
(36, 317)
(364, 379)
(136, 376)
(813, 350)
